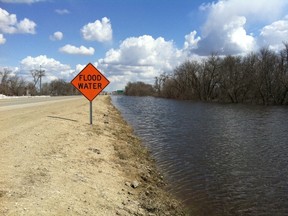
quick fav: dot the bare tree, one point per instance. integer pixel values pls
(4, 82)
(186, 78)
(17, 85)
(234, 79)
(60, 87)
(159, 83)
(37, 77)
(283, 75)
(139, 89)
(31, 89)
(266, 68)
(169, 89)
(210, 76)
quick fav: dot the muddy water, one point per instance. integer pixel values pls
(219, 159)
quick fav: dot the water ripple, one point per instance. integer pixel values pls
(219, 159)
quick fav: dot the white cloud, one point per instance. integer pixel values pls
(2, 39)
(21, 1)
(100, 31)
(256, 10)
(238, 39)
(10, 25)
(225, 30)
(53, 68)
(79, 67)
(143, 51)
(56, 36)
(82, 50)
(139, 59)
(7, 22)
(274, 35)
(62, 11)
(190, 41)
(26, 26)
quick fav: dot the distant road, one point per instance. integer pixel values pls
(14, 103)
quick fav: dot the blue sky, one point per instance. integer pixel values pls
(132, 40)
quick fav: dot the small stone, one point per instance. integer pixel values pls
(145, 177)
(127, 184)
(134, 184)
(97, 151)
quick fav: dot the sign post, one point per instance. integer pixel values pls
(90, 82)
(91, 122)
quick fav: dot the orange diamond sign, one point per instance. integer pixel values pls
(90, 82)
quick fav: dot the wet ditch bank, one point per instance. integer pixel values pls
(147, 182)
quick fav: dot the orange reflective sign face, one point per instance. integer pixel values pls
(90, 82)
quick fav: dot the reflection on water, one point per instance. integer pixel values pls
(220, 159)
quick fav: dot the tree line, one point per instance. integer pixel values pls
(14, 85)
(257, 78)
(139, 89)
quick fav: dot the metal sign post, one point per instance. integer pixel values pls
(91, 113)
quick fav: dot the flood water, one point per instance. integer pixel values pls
(219, 159)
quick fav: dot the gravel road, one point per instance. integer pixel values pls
(52, 162)
(21, 102)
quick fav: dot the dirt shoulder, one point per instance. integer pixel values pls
(52, 162)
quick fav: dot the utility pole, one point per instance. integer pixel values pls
(41, 74)
(37, 75)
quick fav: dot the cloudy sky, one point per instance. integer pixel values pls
(132, 40)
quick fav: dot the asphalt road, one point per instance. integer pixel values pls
(14, 103)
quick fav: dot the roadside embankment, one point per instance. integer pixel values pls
(52, 162)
